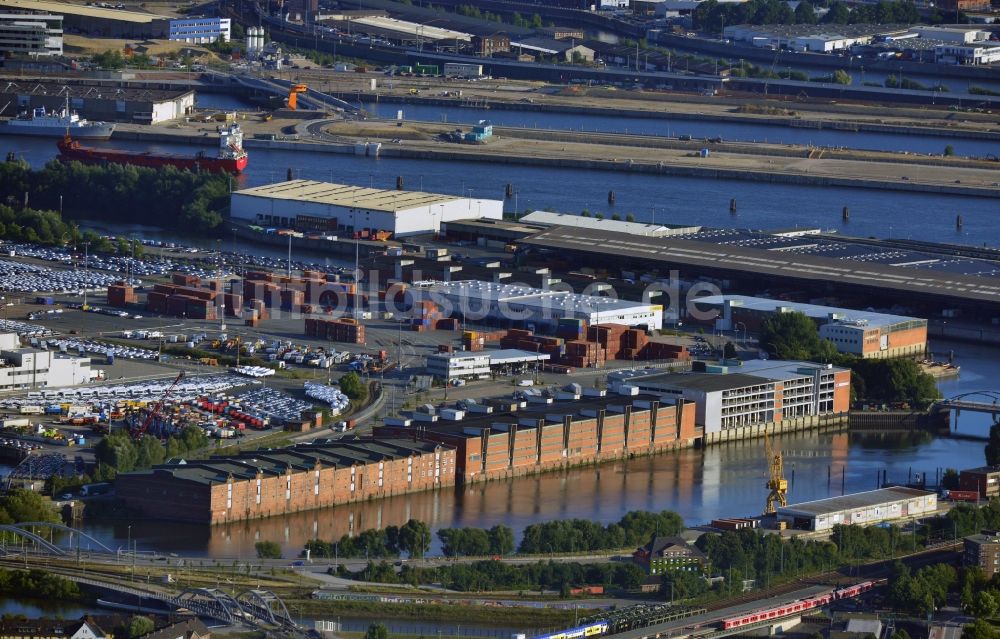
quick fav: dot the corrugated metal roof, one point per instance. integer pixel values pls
(882, 496)
(872, 319)
(347, 196)
(635, 228)
(64, 8)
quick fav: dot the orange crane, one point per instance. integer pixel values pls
(776, 483)
(140, 430)
(293, 95)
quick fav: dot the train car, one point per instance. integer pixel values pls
(853, 591)
(777, 612)
(594, 629)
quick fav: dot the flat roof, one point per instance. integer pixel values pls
(86, 91)
(706, 382)
(635, 228)
(514, 356)
(422, 31)
(65, 8)
(347, 196)
(658, 251)
(784, 369)
(300, 457)
(855, 501)
(815, 311)
(532, 411)
(555, 300)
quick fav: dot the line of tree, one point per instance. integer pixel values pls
(38, 584)
(120, 453)
(794, 336)
(168, 197)
(412, 538)
(712, 15)
(25, 505)
(48, 228)
(581, 535)
(476, 542)
(484, 576)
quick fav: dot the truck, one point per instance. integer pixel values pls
(89, 490)
(32, 409)
(962, 495)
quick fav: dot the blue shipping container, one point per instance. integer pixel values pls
(111, 358)
(44, 300)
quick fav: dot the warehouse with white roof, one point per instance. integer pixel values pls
(514, 304)
(307, 205)
(861, 509)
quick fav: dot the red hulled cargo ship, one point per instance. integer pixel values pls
(232, 158)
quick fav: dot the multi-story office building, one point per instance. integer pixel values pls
(30, 33)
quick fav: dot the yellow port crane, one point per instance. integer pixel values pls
(776, 483)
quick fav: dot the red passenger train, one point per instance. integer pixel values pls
(802, 605)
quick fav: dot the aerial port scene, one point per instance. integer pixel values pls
(499, 319)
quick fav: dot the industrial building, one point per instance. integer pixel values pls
(984, 480)
(513, 304)
(866, 334)
(548, 218)
(30, 33)
(812, 266)
(464, 364)
(536, 432)
(765, 394)
(31, 368)
(800, 37)
(200, 30)
(404, 31)
(97, 102)
(266, 483)
(97, 21)
(345, 208)
(974, 53)
(983, 550)
(861, 509)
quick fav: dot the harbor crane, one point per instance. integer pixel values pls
(140, 429)
(776, 483)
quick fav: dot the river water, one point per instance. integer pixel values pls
(664, 199)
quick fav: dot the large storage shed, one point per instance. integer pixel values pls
(863, 509)
(309, 205)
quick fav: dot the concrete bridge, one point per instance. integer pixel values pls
(976, 402)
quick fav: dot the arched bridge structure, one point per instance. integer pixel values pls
(41, 544)
(265, 606)
(76, 538)
(983, 401)
(210, 602)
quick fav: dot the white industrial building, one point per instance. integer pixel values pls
(861, 509)
(795, 38)
(952, 35)
(513, 304)
(617, 226)
(975, 53)
(200, 30)
(323, 206)
(30, 368)
(402, 29)
(35, 34)
(464, 364)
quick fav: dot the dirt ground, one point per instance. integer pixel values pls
(80, 45)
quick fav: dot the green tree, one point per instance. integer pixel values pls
(729, 350)
(685, 585)
(985, 604)
(25, 505)
(377, 631)
(949, 150)
(501, 540)
(139, 625)
(794, 336)
(354, 387)
(900, 634)
(804, 13)
(630, 218)
(268, 550)
(840, 77)
(415, 538)
(978, 629)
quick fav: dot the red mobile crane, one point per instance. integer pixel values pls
(139, 430)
